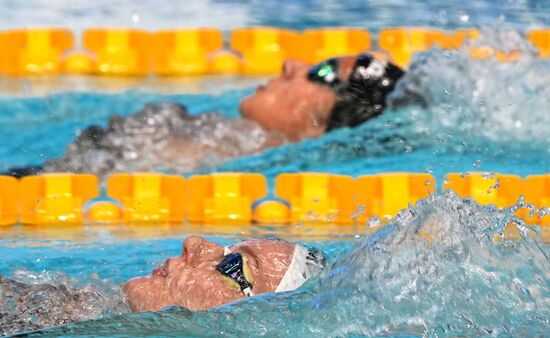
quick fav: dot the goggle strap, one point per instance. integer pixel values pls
(248, 292)
(226, 251)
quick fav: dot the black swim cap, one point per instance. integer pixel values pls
(363, 96)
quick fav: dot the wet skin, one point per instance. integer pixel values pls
(288, 108)
(192, 281)
(293, 105)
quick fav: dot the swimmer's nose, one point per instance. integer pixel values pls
(196, 249)
(191, 246)
(162, 269)
(292, 68)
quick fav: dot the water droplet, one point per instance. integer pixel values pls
(374, 221)
(494, 186)
(314, 121)
(488, 175)
(439, 139)
(135, 18)
(477, 164)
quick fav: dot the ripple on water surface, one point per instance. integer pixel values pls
(440, 268)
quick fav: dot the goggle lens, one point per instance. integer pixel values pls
(325, 73)
(232, 266)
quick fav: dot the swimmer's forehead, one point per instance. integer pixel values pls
(261, 246)
(256, 242)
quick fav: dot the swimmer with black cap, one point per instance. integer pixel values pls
(306, 102)
(207, 275)
(303, 102)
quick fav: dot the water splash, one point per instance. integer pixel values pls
(441, 268)
(447, 103)
(161, 137)
(500, 101)
(33, 301)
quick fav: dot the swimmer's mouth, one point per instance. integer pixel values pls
(260, 88)
(160, 270)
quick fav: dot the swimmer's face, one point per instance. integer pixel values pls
(192, 281)
(293, 105)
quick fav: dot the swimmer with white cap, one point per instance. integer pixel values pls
(204, 276)
(207, 275)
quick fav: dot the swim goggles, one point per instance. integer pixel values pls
(366, 67)
(325, 73)
(232, 266)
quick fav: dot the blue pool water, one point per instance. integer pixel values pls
(481, 116)
(296, 14)
(434, 271)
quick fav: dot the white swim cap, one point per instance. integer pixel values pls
(306, 263)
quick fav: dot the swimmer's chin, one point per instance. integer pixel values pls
(138, 294)
(244, 107)
(129, 290)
